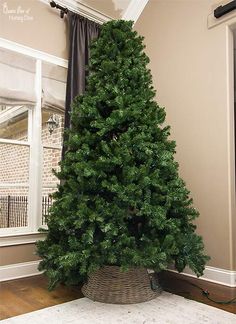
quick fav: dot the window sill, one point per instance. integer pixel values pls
(19, 239)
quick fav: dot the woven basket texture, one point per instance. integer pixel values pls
(111, 285)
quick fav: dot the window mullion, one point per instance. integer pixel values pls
(30, 124)
(35, 173)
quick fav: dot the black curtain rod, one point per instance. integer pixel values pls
(63, 11)
(223, 10)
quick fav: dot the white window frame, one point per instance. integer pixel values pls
(34, 143)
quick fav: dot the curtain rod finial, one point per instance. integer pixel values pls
(62, 9)
(53, 4)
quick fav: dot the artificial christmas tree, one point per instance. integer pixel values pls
(121, 201)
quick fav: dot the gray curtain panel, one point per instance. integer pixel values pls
(81, 32)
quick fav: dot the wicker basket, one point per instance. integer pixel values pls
(110, 285)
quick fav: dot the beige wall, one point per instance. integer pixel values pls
(188, 63)
(17, 254)
(42, 29)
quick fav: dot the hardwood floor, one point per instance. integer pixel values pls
(29, 294)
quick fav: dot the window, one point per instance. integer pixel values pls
(32, 90)
(54, 88)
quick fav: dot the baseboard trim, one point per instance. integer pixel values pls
(212, 274)
(28, 269)
(19, 270)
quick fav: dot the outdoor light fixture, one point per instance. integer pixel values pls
(52, 123)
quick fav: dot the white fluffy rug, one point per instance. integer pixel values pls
(167, 308)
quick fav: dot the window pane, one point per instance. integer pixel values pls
(51, 158)
(13, 207)
(53, 109)
(56, 137)
(14, 122)
(14, 163)
(17, 95)
(46, 203)
(17, 79)
(53, 102)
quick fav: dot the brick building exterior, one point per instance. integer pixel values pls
(14, 169)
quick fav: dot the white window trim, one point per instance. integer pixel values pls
(34, 136)
(33, 53)
(19, 239)
(35, 169)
